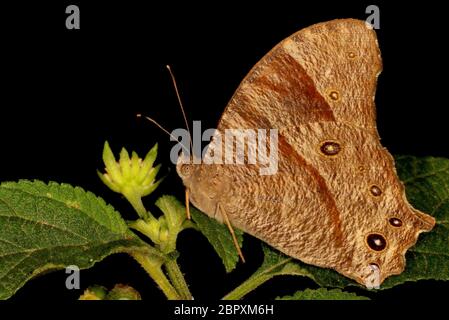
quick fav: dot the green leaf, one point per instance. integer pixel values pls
(322, 276)
(277, 264)
(47, 227)
(220, 238)
(274, 264)
(323, 294)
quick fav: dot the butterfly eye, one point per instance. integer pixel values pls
(330, 148)
(376, 242)
(186, 170)
(395, 222)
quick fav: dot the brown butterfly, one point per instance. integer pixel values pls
(335, 200)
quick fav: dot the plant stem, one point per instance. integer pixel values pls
(177, 278)
(152, 266)
(136, 202)
(246, 287)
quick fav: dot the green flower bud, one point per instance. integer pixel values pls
(94, 293)
(123, 292)
(131, 176)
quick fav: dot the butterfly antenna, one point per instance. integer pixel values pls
(175, 85)
(162, 128)
(178, 96)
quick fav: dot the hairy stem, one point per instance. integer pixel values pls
(136, 202)
(246, 287)
(177, 278)
(152, 266)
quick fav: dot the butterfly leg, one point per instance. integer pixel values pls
(187, 204)
(231, 230)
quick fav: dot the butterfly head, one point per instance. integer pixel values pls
(186, 167)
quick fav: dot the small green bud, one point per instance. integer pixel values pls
(123, 292)
(94, 293)
(131, 176)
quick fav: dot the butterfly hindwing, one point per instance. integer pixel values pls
(359, 177)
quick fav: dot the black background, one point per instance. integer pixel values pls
(64, 92)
